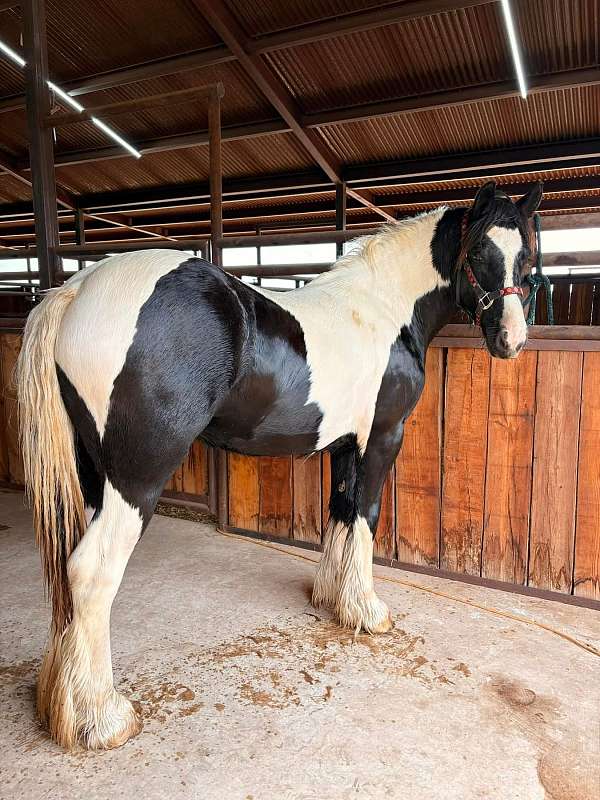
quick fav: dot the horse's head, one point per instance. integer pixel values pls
(496, 249)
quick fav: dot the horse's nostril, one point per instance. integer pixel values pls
(519, 347)
(502, 339)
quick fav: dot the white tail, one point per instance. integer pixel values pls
(48, 448)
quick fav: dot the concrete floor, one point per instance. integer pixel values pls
(249, 693)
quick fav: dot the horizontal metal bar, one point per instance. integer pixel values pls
(278, 270)
(137, 104)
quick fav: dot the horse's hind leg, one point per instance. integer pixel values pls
(82, 704)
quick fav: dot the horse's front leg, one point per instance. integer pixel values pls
(345, 575)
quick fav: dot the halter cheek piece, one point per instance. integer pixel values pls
(485, 299)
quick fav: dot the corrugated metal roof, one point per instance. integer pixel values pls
(12, 190)
(455, 49)
(255, 156)
(502, 179)
(268, 17)
(87, 37)
(558, 35)
(449, 50)
(547, 117)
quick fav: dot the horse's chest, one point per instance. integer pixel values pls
(347, 361)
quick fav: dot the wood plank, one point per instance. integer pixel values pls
(307, 499)
(561, 294)
(275, 507)
(9, 353)
(596, 304)
(558, 398)
(194, 470)
(587, 538)
(465, 445)
(418, 472)
(580, 307)
(509, 468)
(244, 491)
(384, 544)
(541, 307)
(177, 479)
(4, 469)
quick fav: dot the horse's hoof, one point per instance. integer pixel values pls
(384, 626)
(124, 721)
(133, 727)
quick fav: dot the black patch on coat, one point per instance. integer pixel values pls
(87, 443)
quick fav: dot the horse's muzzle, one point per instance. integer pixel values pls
(505, 345)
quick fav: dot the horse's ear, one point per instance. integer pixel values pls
(530, 202)
(483, 198)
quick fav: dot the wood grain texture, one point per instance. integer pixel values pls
(465, 446)
(561, 293)
(9, 352)
(385, 545)
(587, 532)
(195, 470)
(418, 472)
(541, 307)
(4, 470)
(244, 494)
(509, 468)
(275, 508)
(555, 456)
(596, 304)
(580, 307)
(307, 499)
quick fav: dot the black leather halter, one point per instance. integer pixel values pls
(485, 299)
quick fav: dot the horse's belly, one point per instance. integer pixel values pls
(258, 423)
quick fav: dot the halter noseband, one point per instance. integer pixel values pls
(485, 299)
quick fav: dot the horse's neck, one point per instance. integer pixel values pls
(398, 265)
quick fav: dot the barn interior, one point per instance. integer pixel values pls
(266, 137)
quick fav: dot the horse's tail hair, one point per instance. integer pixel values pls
(48, 448)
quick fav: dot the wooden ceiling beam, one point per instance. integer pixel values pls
(395, 107)
(357, 22)
(230, 31)
(228, 28)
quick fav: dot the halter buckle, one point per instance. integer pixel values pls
(486, 301)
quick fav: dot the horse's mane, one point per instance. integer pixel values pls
(366, 247)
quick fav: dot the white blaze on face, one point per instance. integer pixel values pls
(508, 240)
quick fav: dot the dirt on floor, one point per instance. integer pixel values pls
(248, 692)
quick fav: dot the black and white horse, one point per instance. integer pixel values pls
(138, 355)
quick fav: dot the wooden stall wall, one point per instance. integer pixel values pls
(498, 477)
(11, 466)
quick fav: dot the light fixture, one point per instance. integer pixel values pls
(66, 97)
(114, 135)
(72, 103)
(509, 24)
(12, 54)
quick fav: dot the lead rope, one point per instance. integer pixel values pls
(537, 279)
(589, 648)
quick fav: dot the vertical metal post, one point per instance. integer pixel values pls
(41, 155)
(218, 480)
(340, 215)
(216, 174)
(258, 256)
(79, 234)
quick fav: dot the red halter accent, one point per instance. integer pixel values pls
(485, 299)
